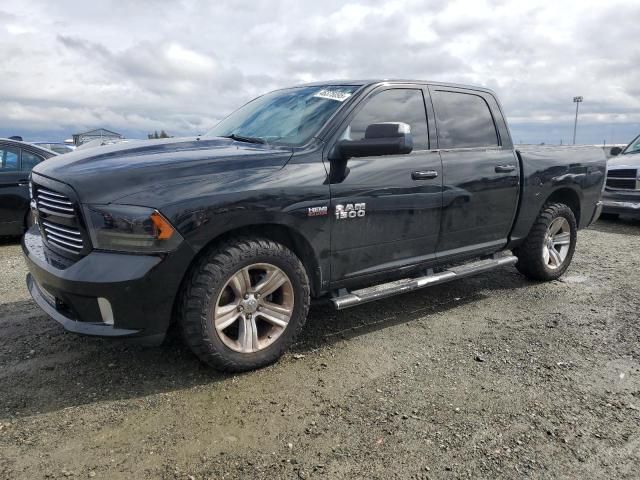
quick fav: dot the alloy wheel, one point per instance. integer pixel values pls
(557, 243)
(254, 308)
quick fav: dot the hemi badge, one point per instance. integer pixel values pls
(317, 211)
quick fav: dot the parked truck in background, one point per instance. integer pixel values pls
(351, 190)
(622, 191)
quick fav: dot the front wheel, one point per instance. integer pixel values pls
(244, 304)
(548, 249)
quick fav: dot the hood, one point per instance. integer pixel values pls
(628, 160)
(105, 174)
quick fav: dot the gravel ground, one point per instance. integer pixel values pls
(488, 377)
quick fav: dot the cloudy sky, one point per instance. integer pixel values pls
(135, 67)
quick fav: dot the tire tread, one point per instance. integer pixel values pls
(529, 255)
(214, 267)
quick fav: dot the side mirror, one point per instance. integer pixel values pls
(392, 138)
(615, 151)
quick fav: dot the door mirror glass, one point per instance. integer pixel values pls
(615, 151)
(388, 138)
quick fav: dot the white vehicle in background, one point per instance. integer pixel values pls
(99, 142)
(621, 195)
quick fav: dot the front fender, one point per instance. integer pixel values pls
(247, 200)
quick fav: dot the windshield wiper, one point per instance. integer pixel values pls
(242, 138)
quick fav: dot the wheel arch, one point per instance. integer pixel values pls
(533, 203)
(569, 197)
(277, 232)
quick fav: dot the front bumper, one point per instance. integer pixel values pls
(50, 306)
(596, 213)
(622, 204)
(106, 294)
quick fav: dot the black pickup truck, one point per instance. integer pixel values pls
(351, 191)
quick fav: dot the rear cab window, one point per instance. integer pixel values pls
(463, 120)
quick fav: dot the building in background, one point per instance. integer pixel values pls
(97, 134)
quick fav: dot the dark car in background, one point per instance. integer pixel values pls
(621, 195)
(16, 161)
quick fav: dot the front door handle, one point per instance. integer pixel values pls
(505, 168)
(424, 174)
(23, 183)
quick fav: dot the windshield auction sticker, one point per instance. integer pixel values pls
(333, 95)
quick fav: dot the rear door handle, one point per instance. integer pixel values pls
(23, 182)
(424, 174)
(505, 168)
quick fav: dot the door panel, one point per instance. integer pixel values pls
(481, 173)
(478, 203)
(401, 218)
(402, 214)
(14, 194)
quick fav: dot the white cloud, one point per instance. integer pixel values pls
(188, 59)
(13, 29)
(181, 65)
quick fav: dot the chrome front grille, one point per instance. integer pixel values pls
(54, 202)
(623, 179)
(58, 220)
(64, 237)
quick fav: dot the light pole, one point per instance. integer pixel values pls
(577, 101)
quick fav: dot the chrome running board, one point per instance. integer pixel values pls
(377, 292)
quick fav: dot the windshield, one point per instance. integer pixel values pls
(634, 146)
(287, 117)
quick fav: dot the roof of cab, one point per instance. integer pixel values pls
(370, 82)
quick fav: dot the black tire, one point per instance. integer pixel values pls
(204, 286)
(531, 261)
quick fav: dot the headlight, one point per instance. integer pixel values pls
(128, 228)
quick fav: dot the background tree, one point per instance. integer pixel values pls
(156, 135)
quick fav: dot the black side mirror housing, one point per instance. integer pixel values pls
(615, 151)
(392, 138)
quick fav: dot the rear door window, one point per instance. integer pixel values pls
(9, 157)
(463, 120)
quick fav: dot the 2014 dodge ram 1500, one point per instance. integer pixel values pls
(351, 190)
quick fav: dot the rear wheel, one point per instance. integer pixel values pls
(548, 250)
(244, 304)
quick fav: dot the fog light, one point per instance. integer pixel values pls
(105, 310)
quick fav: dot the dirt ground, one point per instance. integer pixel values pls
(488, 377)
